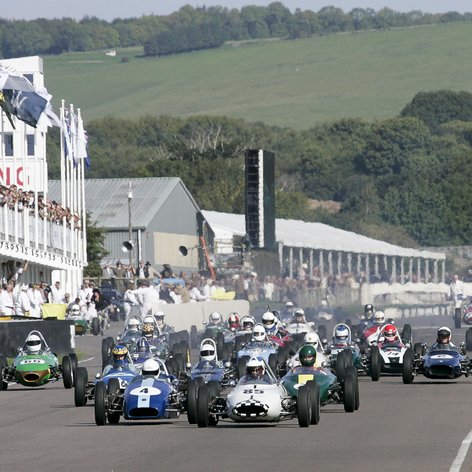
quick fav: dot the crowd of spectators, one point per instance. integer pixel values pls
(15, 197)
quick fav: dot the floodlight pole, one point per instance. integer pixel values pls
(130, 228)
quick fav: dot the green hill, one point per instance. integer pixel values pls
(287, 83)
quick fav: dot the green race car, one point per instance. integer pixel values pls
(36, 365)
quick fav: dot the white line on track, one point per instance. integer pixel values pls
(462, 453)
(87, 360)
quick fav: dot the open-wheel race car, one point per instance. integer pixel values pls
(36, 365)
(443, 360)
(151, 395)
(258, 397)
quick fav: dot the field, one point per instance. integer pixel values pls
(288, 83)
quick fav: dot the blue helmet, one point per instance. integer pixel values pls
(119, 354)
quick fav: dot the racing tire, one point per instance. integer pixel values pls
(203, 400)
(457, 318)
(3, 383)
(273, 363)
(67, 372)
(349, 391)
(80, 387)
(406, 334)
(106, 350)
(468, 340)
(375, 363)
(242, 361)
(407, 367)
(95, 326)
(214, 389)
(322, 332)
(238, 343)
(228, 351)
(304, 406)
(185, 351)
(220, 343)
(351, 370)
(340, 366)
(100, 404)
(193, 337)
(348, 358)
(208, 334)
(179, 363)
(192, 395)
(74, 363)
(315, 401)
(282, 355)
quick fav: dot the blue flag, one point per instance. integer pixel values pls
(26, 106)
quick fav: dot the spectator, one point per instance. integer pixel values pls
(57, 295)
(7, 303)
(22, 304)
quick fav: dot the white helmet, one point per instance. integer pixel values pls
(75, 309)
(207, 351)
(160, 318)
(258, 333)
(299, 314)
(341, 334)
(151, 367)
(379, 317)
(255, 367)
(133, 323)
(33, 343)
(268, 320)
(216, 318)
(247, 323)
(312, 338)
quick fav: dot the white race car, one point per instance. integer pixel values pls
(257, 399)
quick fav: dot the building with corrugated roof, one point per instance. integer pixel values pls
(163, 217)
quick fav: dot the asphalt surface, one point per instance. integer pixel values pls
(417, 427)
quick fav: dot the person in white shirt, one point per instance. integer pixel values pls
(195, 294)
(7, 303)
(36, 300)
(22, 304)
(150, 297)
(57, 295)
(132, 301)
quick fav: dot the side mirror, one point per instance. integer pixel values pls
(118, 338)
(188, 365)
(98, 375)
(227, 364)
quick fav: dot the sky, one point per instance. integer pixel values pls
(111, 9)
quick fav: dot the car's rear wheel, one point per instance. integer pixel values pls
(351, 370)
(468, 340)
(80, 387)
(322, 332)
(67, 374)
(407, 367)
(192, 394)
(375, 363)
(220, 343)
(100, 403)
(315, 401)
(193, 337)
(273, 363)
(179, 363)
(406, 334)
(349, 390)
(203, 401)
(304, 406)
(74, 362)
(457, 318)
(95, 326)
(106, 350)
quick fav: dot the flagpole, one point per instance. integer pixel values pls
(82, 156)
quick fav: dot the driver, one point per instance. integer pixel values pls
(443, 339)
(247, 323)
(119, 360)
(390, 335)
(33, 344)
(255, 371)
(298, 316)
(269, 321)
(307, 356)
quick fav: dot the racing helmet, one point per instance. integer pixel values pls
(33, 343)
(207, 351)
(142, 345)
(312, 339)
(444, 335)
(149, 319)
(148, 330)
(119, 353)
(247, 323)
(216, 318)
(368, 310)
(233, 321)
(160, 318)
(289, 306)
(341, 335)
(150, 368)
(268, 320)
(258, 333)
(299, 315)
(255, 368)
(379, 317)
(133, 324)
(390, 333)
(307, 355)
(75, 310)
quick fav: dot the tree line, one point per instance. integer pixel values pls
(404, 180)
(199, 28)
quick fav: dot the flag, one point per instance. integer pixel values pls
(82, 141)
(66, 135)
(26, 106)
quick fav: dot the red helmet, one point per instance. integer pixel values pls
(390, 333)
(233, 321)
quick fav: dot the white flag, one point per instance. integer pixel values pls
(81, 139)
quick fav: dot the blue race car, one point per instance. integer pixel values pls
(152, 395)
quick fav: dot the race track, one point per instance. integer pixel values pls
(417, 427)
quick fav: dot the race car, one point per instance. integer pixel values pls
(435, 362)
(36, 365)
(257, 398)
(150, 395)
